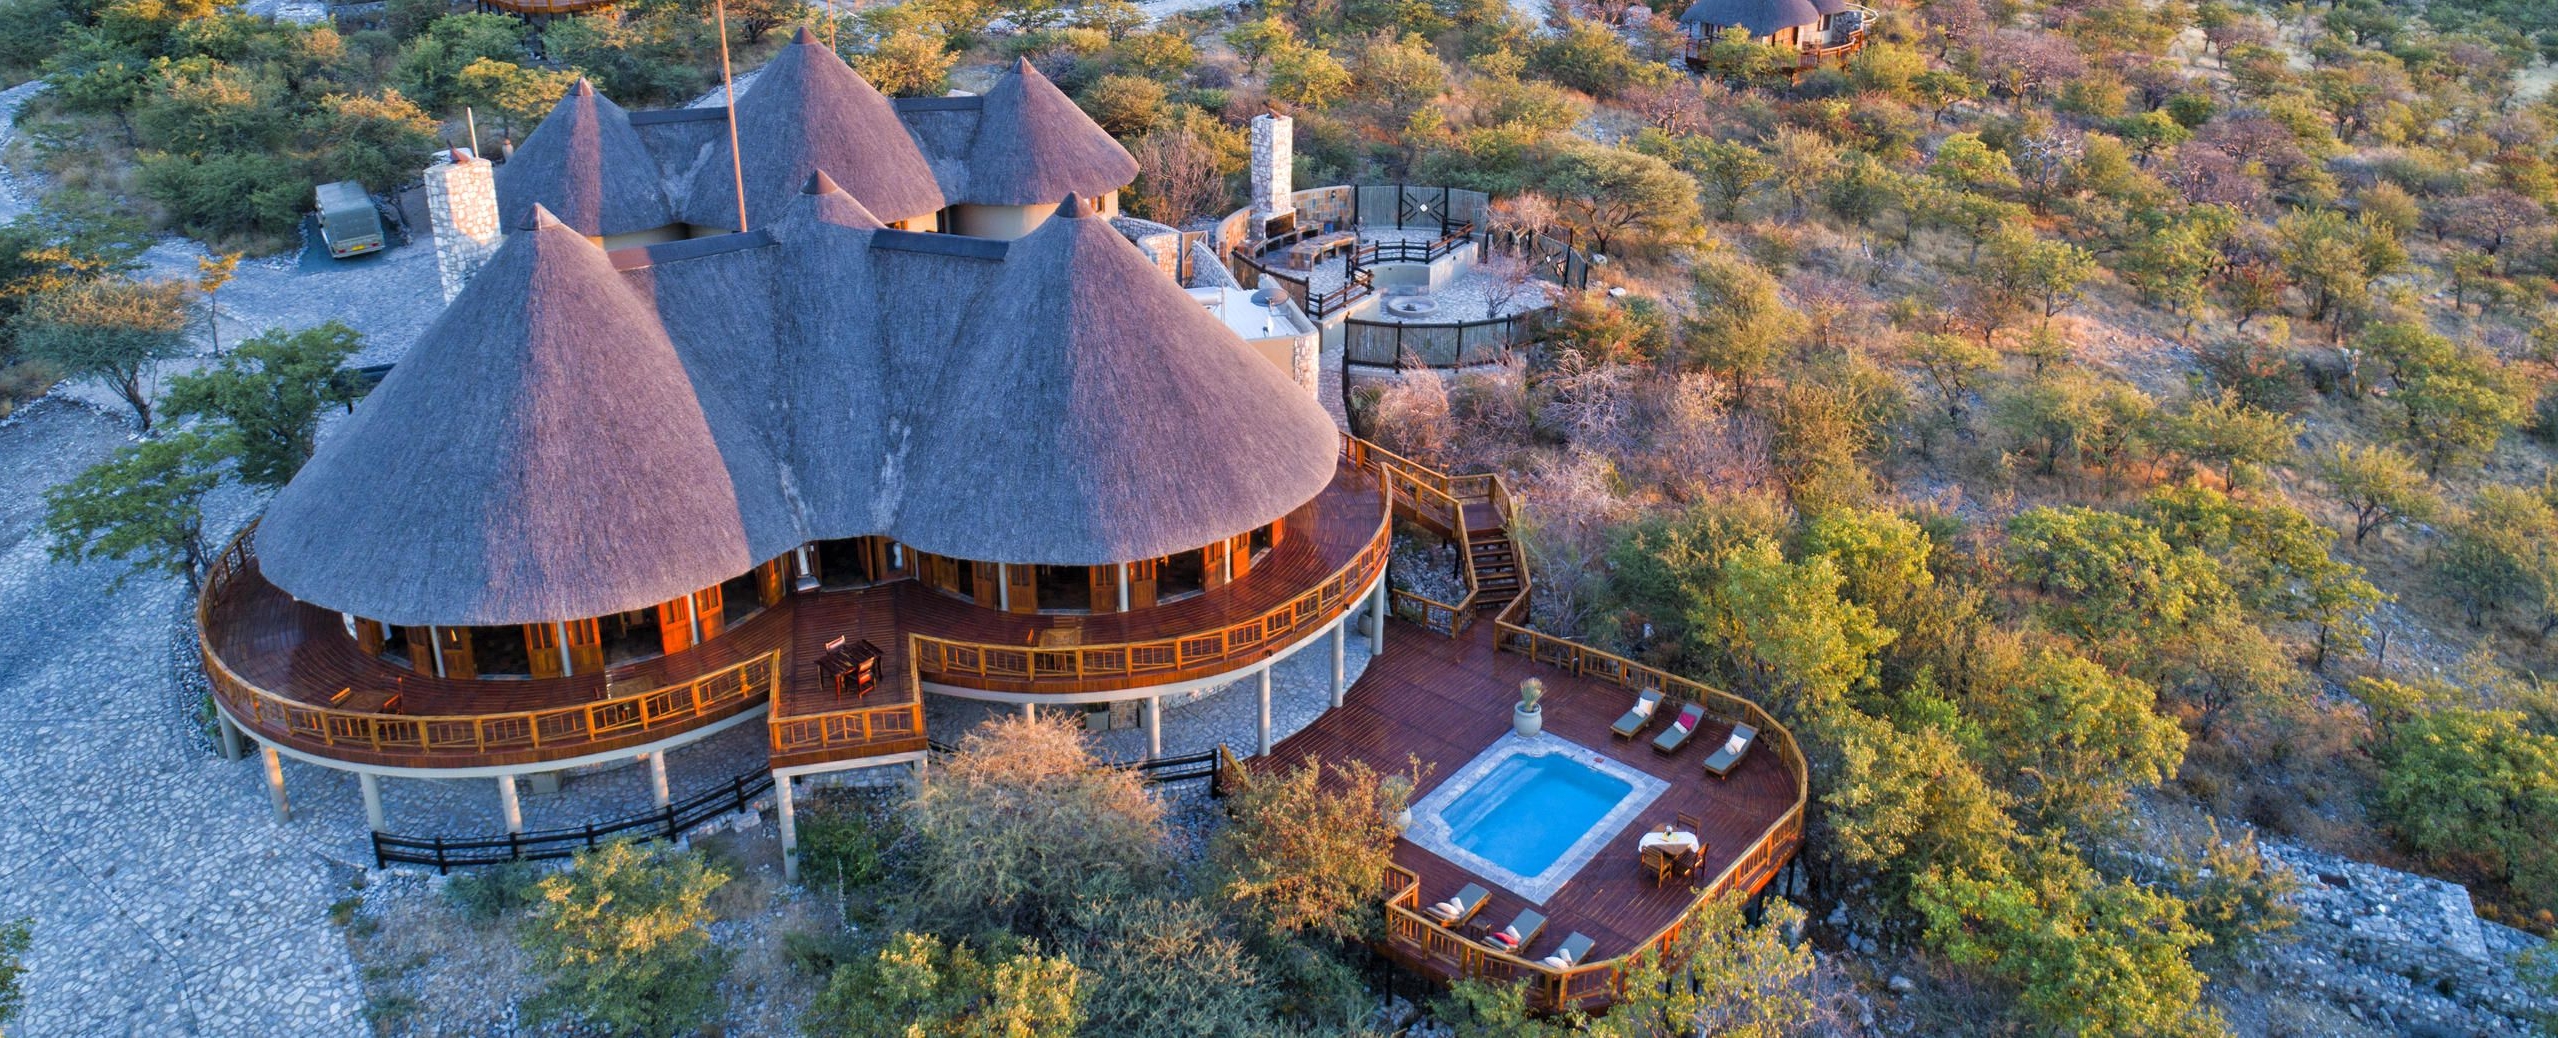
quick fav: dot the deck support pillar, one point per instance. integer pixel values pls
(1123, 587)
(1377, 622)
(1030, 712)
(1154, 727)
(657, 779)
(372, 786)
(1340, 648)
(508, 805)
(786, 818)
(230, 736)
(275, 783)
(1263, 679)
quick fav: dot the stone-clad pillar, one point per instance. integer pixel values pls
(461, 205)
(1273, 172)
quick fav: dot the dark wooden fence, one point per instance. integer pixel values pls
(447, 853)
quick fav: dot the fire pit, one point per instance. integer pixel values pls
(1411, 306)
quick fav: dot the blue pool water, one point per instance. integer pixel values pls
(1528, 810)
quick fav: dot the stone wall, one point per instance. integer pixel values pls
(2399, 952)
(461, 208)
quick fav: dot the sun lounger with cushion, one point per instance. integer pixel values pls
(1575, 950)
(1728, 756)
(1638, 715)
(1456, 910)
(1676, 735)
(1521, 932)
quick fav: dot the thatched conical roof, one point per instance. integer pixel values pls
(808, 111)
(587, 166)
(1091, 412)
(1034, 146)
(1761, 17)
(538, 455)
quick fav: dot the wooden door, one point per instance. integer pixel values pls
(369, 636)
(455, 644)
(1213, 565)
(711, 604)
(675, 625)
(421, 649)
(1022, 587)
(1105, 588)
(983, 584)
(586, 646)
(542, 646)
(769, 582)
(1278, 528)
(1141, 583)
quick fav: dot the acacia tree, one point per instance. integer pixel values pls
(269, 393)
(1309, 845)
(143, 506)
(112, 332)
(621, 940)
(1022, 824)
(1722, 976)
(2382, 486)
(919, 987)
(1608, 192)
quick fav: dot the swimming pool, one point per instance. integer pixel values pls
(1529, 811)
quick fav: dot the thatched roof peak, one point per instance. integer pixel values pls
(808, 111)
(588, 166)
(1034, 144)
(539, 455)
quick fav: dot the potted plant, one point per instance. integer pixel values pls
(1528, 718)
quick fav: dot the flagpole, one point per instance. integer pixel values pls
(728, 86)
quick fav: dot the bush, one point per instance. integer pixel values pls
(1309, 853)
(223, 196)
(917, 987)
(621, 941)
(841, 841)
(1023, 824)
(492, 894)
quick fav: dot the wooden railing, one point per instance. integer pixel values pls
(1086, 668)
(1594, 983)
(463, 735)
(849, 728)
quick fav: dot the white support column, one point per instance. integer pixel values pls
(559, 631)
(1004, 587)
(275, 783)
(373, 815)
(1029, 712)
(435, 647)
(508, 805)
(1377, 622)
(657, 778)
(1264, 681)
(1340, 670)
(1123, 587)
(787, 818)
(1154, 727)
(231, 749)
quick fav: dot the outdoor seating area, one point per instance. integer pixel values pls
(1445, 700)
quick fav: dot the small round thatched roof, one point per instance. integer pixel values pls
(1761, 17)
(808, 111)
(538, 455)
(1091, 412)
(587, 166)
(1034, 146)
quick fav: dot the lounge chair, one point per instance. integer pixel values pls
(1638, 715)
(1521, 932)
(1728, 756)
(1575, 951)
(1453, 912)
(1676, 735)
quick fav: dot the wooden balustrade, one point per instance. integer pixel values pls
(411, 736)
(853, 727)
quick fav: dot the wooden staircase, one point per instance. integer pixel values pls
(1492, 557)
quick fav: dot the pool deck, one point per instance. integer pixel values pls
(1446, 700)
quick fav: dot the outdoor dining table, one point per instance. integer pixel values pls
(1673, 842)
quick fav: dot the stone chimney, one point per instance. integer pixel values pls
(461, 204)
(1273, 168)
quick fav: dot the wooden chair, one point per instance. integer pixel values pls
(1688, 824)
(1657, 862)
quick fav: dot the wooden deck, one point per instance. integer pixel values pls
(280, 665)
(1447, 699)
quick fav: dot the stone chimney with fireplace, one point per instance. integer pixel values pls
(1274, 211)
(461, 206)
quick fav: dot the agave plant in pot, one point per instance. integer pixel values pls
(1528, 718)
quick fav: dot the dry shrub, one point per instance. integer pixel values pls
(1021, 825)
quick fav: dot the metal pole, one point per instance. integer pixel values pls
(728, 88)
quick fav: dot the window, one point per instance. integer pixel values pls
(1262, 539)
(740, 598)
(1065, 589)
(395, 647)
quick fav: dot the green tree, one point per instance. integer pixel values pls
(514, 93)
(1608, 192)
(1162, 967)
(2023, 269)
(269, 393)
(1738, 326)
(1728, 170)
(2502, 552)
(2381, 486)
(374, 141)
(1261, 38)
(621, 941)
(68, 239)
(1953, 367)
(2467, 784)
(1967, 164)
(1307, 846)
(1022, 824)
(1307, 77)
(1127, 106)
(1481, 1008)
(2275, 558)
(15, 937)
(918, 987)
(113, 332)
(2079, 739)
(2110, 575)
(143, 506)
(1789, 634)
(1400, 74)
(908, 64)
(2225, 431)
(429, 68)
(2088, 956)
(1590, 57)
(1941, 89)
(1720, 976)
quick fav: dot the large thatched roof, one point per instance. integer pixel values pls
(808, 111)
(540, 454)
(588, 167)
(1033, 146)
(1761, 17)
(1092, 412)
(572, 439)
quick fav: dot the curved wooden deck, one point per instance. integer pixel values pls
(288, 670)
